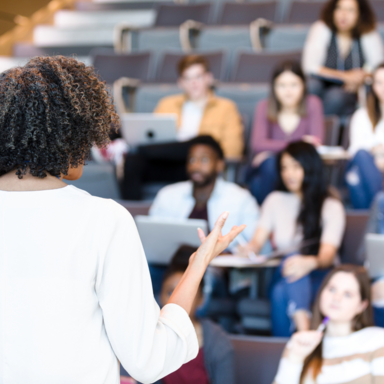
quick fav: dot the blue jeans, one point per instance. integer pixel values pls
(378, 316)
(287, 298)
(364, 180)
(263, 179)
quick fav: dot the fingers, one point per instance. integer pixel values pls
(201, 235)
(220, 222)
(235, 231)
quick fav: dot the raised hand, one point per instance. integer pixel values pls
(215, 242)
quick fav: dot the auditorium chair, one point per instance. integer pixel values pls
(111, 66)
(167, 69)
(148, 95)
(304, 12)
(285, 37)
(25, 49)
(258, 67)
(353, 237)
(332, 130)
(245, 13)
(257, 358)
(176, 14)
(378, 8)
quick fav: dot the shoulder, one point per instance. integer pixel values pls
(106, 208)
(313, 102)
(360, 118)
(320, 29)
(232, 188)
(334, 205)
(171, 100)
(262, 105)
(372, 338)
(277, 197)
(373, 36)
(175, 189)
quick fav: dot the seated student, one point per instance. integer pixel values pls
(215, 361)
(340, 51)
(199, 112)
(288, 115)
(351, 349)
(364, 174)
(205, 195)
(301, 213)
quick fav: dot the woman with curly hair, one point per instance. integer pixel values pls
(75, 291)
(341, 49)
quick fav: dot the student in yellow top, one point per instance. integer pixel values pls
(199, 111)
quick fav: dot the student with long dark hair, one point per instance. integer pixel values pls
(351, 349)
(364, 174)
(289, 114)
(301, 214)
(340, 51)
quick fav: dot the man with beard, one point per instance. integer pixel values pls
(205, 195)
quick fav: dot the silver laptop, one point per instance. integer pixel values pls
(148, 128)
(374, 245)
(161, 237)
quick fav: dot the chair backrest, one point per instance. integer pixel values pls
(245, 13)
(257, 358)
(147, 96)
(167, 70)
(258, 67)
(304, 12)
(98, 180)
(112, 66)
(332, 130)
(176, 14)
(378, 8)
(286, 37)
(353, 236)
(246, 97)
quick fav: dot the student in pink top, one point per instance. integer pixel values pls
(288, 115)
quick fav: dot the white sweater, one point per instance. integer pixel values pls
(362, 135)
(318, 40)
(76, 295)
(357, 358)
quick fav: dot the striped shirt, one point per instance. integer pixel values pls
(354, 359)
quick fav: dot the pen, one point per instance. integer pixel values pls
(323, 324)
(240, 239)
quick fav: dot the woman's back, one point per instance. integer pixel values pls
(75, 292)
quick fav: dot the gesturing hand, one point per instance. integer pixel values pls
(215, 243)
(302, 344)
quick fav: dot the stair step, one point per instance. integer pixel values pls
(83, 19)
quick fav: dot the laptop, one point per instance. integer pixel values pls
(148, 128)
(374, 245)
(162, 237)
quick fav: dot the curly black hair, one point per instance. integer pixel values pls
(52, 111)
